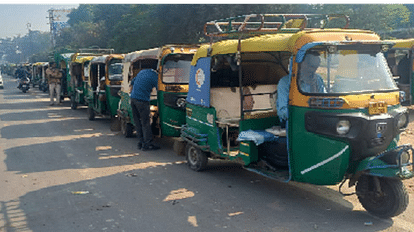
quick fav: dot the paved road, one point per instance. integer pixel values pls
(61, 172)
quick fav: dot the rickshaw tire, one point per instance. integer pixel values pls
(127, 128)
(73, 104)
(196, 158)
(392, 204)
(91, 114)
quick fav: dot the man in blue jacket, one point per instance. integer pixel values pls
(142, 85)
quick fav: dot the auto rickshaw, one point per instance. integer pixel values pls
(78, 74)
(400, 60)
(63, 61)
(172, 62)
(343, 121)
(37, 73)
(44, 85)
(104, 83)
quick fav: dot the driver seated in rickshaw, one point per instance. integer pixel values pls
(309, 82)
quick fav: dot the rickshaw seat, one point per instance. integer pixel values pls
(226, 101)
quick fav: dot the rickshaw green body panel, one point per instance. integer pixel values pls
(203, 119)
(171, 119)
(110, 105)
(124, 105)
(319, 159)
(112, 100)
(314, 158)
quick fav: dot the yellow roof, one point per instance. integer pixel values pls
(81, 59)
(290, 42)
(403, 43)
(39, 63)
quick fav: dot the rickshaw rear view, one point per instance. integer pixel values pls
(292, 99)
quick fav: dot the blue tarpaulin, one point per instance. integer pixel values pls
(257, 136)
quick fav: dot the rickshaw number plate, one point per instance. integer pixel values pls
(377, 108)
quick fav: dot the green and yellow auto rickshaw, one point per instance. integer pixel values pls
(79, 73)
(43, 84)
(343, 120)
(104, 83)
(37, 72)
(63, 63)
(400, 60)
(172, 62)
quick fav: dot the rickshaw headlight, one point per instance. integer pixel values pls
(402, 121)
(180, 102)
(405, 158)
(343, 126)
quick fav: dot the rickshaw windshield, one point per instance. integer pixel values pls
(344, 71)
(176, 68)
(115, 72)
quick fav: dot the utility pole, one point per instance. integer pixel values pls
(52, 30)
(30, 41)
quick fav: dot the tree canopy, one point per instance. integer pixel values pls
(131, 27)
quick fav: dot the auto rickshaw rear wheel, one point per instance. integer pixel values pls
(73, 104)
(382, 197)
(196, 158)
(91, 114)
(126, 128)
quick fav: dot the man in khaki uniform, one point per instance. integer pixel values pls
(54, 76)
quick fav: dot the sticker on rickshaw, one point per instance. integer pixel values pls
(200, 77)
(377, 108)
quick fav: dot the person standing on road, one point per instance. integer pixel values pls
(142, 85)
(54, 77)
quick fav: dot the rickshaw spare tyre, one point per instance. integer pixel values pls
(91, 114)
(275, 152)
(196, 158)
(391, 201)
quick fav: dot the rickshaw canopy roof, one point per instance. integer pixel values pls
(289, 42)
(81, 59)
(142, 54)
(99, 59)
(39, 63)
(403, 43)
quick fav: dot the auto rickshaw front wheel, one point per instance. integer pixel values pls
(382, 197)
(196, 158)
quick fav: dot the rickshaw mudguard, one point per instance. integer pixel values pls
(378, 165)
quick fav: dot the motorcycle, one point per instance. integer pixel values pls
(24, 84)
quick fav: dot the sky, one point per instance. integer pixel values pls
(14, 19)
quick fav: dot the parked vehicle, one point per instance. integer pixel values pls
(172, 62)
(79, 74)
(347, 129)
(104, 83)
(63, 61)
(37, 73)
(400, 60)
(44, 85)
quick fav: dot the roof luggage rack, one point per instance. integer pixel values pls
(255, 24)
(96, 50)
